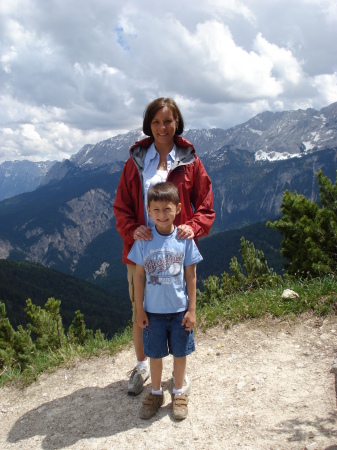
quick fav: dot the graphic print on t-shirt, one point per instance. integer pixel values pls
(163, 266)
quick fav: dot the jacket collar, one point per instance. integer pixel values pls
(179, 141)
(184, 155)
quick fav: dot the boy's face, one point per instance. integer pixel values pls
(163, 214)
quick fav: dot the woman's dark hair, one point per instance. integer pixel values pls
(152, 109)
(163, 192)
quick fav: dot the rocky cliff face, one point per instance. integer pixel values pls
(85, 218)
(248, 191)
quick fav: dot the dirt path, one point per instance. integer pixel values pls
(261, 385)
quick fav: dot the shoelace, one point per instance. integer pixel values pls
(132, 372)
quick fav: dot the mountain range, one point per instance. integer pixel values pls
(68, 224)
(17, 177)
(268, 136)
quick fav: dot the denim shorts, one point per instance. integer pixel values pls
(165, 335)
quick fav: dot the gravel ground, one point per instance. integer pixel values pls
(264, 384)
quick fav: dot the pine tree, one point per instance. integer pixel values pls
(16, 347)
(77, 331)
(310, 231)
(46, 324)
(255, 272)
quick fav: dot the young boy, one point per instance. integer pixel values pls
(165, 295)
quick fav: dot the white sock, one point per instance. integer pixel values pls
(159, 392)
(143, 363)
(177, 391)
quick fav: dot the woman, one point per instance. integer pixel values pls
(163, 156)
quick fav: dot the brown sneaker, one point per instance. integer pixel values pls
(179, 406)
(150, 405)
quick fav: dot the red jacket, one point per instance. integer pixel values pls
(191, 179)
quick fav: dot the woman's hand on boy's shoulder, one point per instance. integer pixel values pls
(142, 233)
(185, 232)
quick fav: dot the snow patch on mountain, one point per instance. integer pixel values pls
(274, 156)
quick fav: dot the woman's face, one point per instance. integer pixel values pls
(163, 127)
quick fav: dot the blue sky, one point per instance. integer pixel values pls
(78, 72)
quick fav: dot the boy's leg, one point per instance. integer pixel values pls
(155, 399)
(179, 365)
(156, 367)
(181, 344)
(155, 345)
(187, 383)
(179, 399)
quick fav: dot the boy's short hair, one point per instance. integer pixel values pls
(165, 191)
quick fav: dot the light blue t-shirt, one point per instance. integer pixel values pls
(164, 259)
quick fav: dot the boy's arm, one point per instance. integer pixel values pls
(191, 286)
(142, 319)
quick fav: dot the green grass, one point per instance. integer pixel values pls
(318, 296)
(65, 356)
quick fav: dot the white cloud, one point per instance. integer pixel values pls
(326, 86)
(229, 8)
(73, 75)
(29, 132)
(284, 64)
(7, 131)
(327, 7)
(224, 64)
(125, 26)
(207, 62)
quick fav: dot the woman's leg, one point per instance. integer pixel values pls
(137, 332)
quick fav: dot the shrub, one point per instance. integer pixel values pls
(46, 324)
(310, 231)
(255, 274)
(78, 332)
(16, 347)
